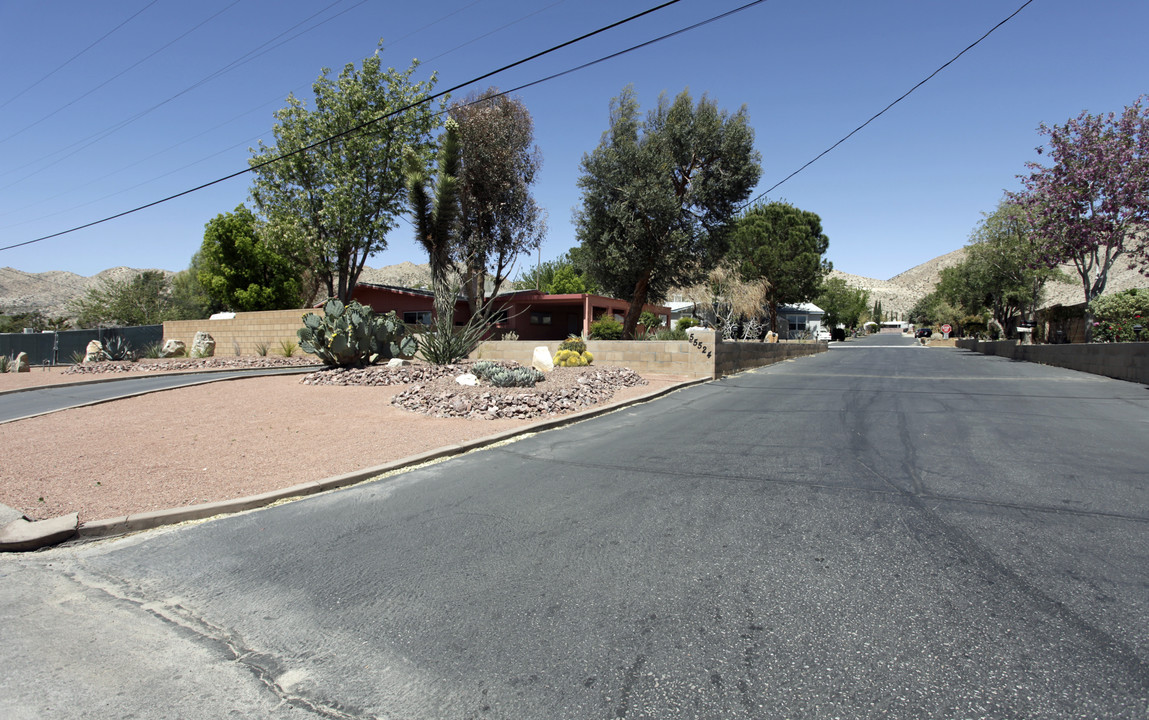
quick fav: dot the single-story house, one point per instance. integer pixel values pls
(531, 314)
(801, 320)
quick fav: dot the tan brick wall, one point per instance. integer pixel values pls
(1122, 361)
(700, 358)
(246, 330)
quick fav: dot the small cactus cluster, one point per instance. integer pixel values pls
(502, 376)
(573, 353)
(572, 358)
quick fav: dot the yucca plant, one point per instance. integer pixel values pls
(287, 348)
(117, 349)
(261, 349)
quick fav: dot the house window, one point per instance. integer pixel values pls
(540, 318)
(797, 323)
(417, 318)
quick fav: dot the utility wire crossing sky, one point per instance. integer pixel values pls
(902, 191)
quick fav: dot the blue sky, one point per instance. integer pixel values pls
(138, 116)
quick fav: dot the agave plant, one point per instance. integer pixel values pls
(116, 348)
(352, 335)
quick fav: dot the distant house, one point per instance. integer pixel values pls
(799, 321)
(531, 314)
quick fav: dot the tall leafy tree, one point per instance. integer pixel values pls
(784, 246)
(331, 206)
(1090, 206)
(143, 299)
(658, 195)
(240, 271)
(498, 218)
(842, 304)
(1001, 272)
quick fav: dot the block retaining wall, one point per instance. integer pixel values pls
(246, 329)
(701, 357)
(1122, 361)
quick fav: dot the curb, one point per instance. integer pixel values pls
(158, 373)
(278, 371)
(136, 522)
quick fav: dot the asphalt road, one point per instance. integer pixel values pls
(50, 398)
(881, 530)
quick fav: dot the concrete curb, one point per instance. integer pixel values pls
(158, 373)
(23, 535)
(276, 371)
(147, 520)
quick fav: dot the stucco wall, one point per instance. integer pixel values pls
(1123, 361)
(738, 356)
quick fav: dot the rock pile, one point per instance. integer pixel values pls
(564, 390)
(214, 363)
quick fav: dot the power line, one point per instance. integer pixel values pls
(71, 59)
(134, 65)
(97, 137)
(363, 125)
(883, 110)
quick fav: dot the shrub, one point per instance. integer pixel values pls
(573, 342)
(510, 335)
(668, 334)
(1115, 315)
(650, 321)
(606, 328)
(261, 349)
(353, 335)
(153, 351)
(5, 364)
(685, 322)
(287, 348)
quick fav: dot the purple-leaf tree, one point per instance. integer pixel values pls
(1090, 207)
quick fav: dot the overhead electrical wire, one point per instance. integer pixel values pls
(96, 137)
(373, 121)
(108, 131)
(69, 61)
(874, 117)
(134, 65)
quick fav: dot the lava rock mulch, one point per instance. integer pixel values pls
(433, 390)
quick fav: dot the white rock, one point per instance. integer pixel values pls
(94, 352)
(542, 359)
(21, 363)
(467, 379)
(203, 345)
(173, 348)
(398, 362)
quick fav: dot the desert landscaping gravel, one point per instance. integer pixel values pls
(225, 440)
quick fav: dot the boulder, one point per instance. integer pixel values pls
(94, 352)
(542, 359)
(398, 362)
(173, 348)
(771, 337)
(21, 363)
(203, 345)
(467, 379)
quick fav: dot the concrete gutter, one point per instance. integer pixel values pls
(147, 520)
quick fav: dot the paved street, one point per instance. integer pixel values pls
(881, 530)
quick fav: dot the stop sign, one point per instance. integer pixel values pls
(947, 329)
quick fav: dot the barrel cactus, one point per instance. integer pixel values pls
(572, 358)
(573, 342)
(352, 335)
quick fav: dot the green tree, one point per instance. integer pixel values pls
(559, 276)
(1001, 273)
(331, 206)
(240, 271)
(144, 299)
(842, 304)
(778, 243)
(190, 300)
(498, 218)
(658, 195)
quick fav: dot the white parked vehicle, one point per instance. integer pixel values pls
(823, 335)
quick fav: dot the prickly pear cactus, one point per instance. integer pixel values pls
(353, 335)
